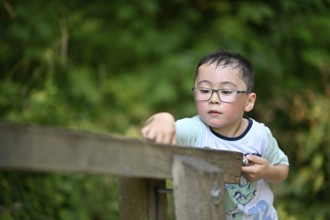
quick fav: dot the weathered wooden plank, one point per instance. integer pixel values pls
(139, 199)
(64, 150)
(198, 190)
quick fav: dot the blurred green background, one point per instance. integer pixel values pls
(105, 66)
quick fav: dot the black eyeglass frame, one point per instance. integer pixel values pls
(217, 91)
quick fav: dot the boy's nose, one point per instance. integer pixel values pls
(215, 99)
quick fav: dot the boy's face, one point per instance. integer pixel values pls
(223, 117)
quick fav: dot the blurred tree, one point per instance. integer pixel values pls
(107, 65)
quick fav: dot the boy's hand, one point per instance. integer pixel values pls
(160, 128)
(257, 169)
(260, 168)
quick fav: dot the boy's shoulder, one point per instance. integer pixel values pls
(259, 125)
(193, 125)
(189, 130)
(262, 131)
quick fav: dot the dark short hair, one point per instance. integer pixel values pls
(225, 58)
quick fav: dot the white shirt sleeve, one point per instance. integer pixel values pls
(274, 154)
(189, 131)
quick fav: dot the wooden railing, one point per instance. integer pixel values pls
(142, 168)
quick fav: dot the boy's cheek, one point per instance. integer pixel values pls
(201, 107)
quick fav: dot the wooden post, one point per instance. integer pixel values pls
(139, 199)
(198, 190)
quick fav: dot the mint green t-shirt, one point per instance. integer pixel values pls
(247, 200)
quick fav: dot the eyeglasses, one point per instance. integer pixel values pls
(225, 95)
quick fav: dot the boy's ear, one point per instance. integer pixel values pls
(250, 101)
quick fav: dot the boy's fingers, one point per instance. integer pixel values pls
(169, 139)
(252, 158)
(173, 140)
(149, 121)
(159, 139)
(148, 134)
(255, 159)
(166, 139)
(145, 132)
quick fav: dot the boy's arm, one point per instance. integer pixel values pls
(261, 169)
(160, 128)
(277, 173)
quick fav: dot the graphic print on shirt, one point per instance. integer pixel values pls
(260, 211)
(237, 196)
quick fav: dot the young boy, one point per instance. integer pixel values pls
(223, 91)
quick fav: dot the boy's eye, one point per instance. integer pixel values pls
(205, 91)
(226, 92)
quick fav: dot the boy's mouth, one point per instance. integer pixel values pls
(214, 112)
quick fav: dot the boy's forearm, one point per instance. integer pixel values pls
(277, 173)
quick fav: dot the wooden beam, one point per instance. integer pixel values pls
(198, 190)
(63, 150)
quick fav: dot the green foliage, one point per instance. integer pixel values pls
(105, 66)
(57, 196)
